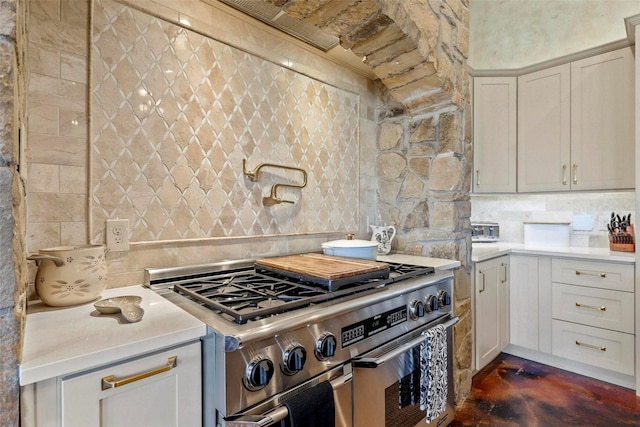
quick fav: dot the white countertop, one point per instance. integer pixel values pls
(62, 340)
(485, 251)
(437, 263)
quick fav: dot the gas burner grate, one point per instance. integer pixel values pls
(400, 272)
(247, 294)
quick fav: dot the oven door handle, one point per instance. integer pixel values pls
(280, 413)
(374, 362)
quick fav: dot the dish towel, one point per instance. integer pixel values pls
(433, 372)
(314, 407)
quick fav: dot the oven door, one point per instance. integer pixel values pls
(386, 382)
(259, 416)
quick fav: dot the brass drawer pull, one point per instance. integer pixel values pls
(593, 307)
(587, 273)
(503, 277)
(111, 382)
(591, 346)
(482, 274)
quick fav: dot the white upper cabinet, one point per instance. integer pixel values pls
(575, 127)
(494, 134)
(544, 130)
(602, 121)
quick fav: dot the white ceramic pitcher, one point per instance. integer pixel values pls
(383, 234)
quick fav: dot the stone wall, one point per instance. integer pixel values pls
(418, 50)
(425, 155)
(423, 170)
(12, 263)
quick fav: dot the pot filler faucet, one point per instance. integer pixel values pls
(272, 198)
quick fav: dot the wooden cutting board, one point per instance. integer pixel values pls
(324, 266)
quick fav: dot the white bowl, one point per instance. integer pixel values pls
(364, 249)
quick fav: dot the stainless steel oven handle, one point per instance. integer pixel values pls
(281, 412)
(374, 362)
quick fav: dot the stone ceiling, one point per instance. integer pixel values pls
(410, 45)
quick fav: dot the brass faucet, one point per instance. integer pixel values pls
(272, 198)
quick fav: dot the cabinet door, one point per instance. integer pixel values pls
(544, 126)
(494, 134)
(159, 390)
(523, 301)
(603, 122)
(491, 309)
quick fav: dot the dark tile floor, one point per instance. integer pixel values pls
(511, 391)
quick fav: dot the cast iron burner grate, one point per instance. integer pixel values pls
(246, 294)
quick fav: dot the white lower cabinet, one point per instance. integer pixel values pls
(523, 301)
(572, 313)
(594, 346)
(601, 308)
(161, 390)
(491, 309)
(593, 313)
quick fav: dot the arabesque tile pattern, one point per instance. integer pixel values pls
(174, 113)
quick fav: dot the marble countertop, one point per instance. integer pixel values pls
(485, 251)
(63, 340)
(438, 263)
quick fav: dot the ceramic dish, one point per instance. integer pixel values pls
(128, 305)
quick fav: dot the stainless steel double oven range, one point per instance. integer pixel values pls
(272, 337)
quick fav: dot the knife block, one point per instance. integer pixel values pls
(623, 242)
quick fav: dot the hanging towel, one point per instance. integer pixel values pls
(433, 372)
(314, 407)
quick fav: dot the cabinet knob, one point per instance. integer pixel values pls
(575, 173)
(564, 175)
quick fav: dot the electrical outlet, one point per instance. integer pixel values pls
(117, 234)
(603, 220)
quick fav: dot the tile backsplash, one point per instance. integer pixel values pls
(113, 133)
(512, 210)
(175, 113)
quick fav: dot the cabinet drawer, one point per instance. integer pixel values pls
(601, 308)
(597, 274)
(594, 346)
(161, 390)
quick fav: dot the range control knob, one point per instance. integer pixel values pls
(431, 303)
(326, 346)
(258, 373)
(444, 298)
(293, 359)
(416, 309)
